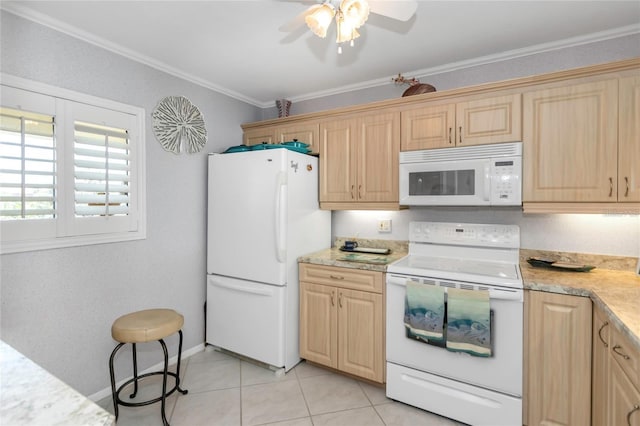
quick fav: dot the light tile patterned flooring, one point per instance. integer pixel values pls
(226, 391)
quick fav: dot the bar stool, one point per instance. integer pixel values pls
(140, 327)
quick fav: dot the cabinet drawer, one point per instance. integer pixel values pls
(626, 355)
(357, 279)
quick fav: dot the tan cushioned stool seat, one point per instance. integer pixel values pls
(146, 326)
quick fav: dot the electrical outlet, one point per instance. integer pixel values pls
(384, 225)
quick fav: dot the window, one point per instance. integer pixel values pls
(71, 168)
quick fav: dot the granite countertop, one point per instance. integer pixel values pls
(371, 262)
(612, 286)
(29, 395)
(616, 290)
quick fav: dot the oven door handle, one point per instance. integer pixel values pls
(497, 293)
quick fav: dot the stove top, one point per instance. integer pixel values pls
(474, 253)
(468, 270)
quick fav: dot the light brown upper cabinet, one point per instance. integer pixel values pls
(571, 143)
(473, 122)
(629, 140)
(259, 135)
(304, 131)
(359, 161)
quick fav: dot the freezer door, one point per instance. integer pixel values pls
(247, 216)
(247, 318)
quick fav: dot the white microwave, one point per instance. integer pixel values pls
(481, 175)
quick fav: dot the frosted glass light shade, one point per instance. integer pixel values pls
(345, 31)
(355, 12)
(319, 20)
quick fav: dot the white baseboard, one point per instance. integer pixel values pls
(159, 366)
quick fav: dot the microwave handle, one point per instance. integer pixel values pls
(487, 182)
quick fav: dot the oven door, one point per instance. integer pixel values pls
(502, 372)
(446, 183)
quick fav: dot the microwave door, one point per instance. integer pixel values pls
(447, 183)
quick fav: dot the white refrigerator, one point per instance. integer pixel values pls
(263, 213)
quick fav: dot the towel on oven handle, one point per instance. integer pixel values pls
(424, 311)
(469, 322)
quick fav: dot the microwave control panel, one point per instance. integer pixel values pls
(506, 185)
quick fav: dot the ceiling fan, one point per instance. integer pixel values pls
(349, 15)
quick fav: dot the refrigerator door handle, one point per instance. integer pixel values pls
(259, 291)
(281, 187)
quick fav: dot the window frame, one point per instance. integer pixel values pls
(66, 233)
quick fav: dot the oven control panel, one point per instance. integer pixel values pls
(465, 234)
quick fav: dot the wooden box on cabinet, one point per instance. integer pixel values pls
(559, 359)
(473, 122)
(342, 319)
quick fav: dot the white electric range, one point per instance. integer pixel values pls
(472, 389)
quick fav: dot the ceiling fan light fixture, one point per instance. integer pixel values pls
(319, 20)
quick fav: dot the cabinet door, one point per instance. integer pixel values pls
(491, 120)
(337, 161)
(318, 324)
(428, 127)
(361, 334)
(303, 132)
(259, 135)
(570, 143)
(377, 150)
(624, 399)
(629, 140)
(560, 360)
(600, 368)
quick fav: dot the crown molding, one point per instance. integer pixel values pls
(24, 12)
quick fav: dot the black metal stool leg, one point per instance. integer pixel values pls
(114, 393)
(182, 391)
(164, 381)
(135, 372)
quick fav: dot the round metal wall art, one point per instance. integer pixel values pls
(178, 125)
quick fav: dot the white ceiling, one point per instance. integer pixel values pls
(235, 47)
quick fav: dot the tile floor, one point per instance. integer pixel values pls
(227, 391)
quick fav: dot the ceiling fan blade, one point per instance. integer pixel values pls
(402, 10)
(297, 21)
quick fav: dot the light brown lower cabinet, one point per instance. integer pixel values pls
(342, 319)
(559, 359)
(616, 375)
(600, 368)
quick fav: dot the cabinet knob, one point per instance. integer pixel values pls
(626, 184)
(360, 191)
(340, 299)
(352, 188)
(450, 131)
(606, 323)
(333, 295)
(460, 134)
(617, 350)
(610, 186)
(633, 410)
(336, 277)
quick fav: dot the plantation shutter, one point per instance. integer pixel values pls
(102, 170)
(27, 165)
